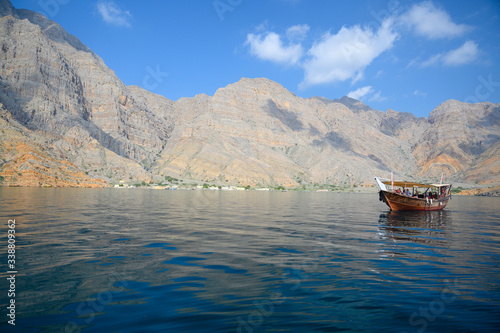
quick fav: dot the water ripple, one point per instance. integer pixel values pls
(132, 261)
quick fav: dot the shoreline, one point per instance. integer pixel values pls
(483, 191)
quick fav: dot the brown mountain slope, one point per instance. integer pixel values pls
(64, 104)
(51, 82)
(255, 131)
(27, 160)
(462, 140)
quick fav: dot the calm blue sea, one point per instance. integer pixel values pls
(112, 260)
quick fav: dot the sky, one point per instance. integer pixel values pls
(408, 56)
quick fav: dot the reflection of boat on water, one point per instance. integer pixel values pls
(405, 195)
(429, 229)
(416, 219)
(417, 226)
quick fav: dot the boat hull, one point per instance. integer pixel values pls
(398, 202)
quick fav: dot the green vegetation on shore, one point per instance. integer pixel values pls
(174, 183)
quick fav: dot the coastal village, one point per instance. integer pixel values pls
(211, 187)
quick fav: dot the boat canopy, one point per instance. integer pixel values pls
(406, 184)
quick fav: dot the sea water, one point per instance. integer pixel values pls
(116, 260)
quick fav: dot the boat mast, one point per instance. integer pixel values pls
(392, 181)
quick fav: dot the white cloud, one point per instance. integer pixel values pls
(112, 14)
(432, 22)
(345, 55)
(297, 32)
(375, 97)
(366, 93)
(434, 60)
(268, 46)
(335, 58)
(465, 54)
(419, 93)
(359, 93)
(413, 62)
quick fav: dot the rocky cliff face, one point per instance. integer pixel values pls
(255, 131)
(54, 85)
(27, 159)
(61, 103)
(462, 139)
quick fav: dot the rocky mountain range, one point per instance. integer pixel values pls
(67, 120)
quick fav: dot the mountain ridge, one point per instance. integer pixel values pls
(250, 132)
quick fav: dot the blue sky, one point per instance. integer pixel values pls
(405, 55)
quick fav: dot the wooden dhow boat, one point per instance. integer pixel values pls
(406, 195)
